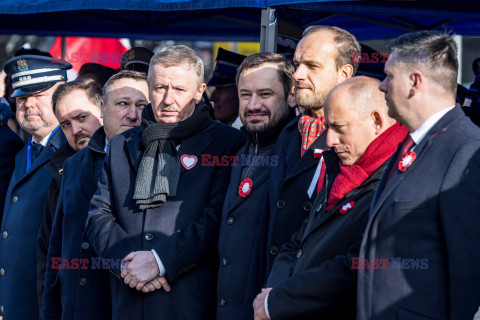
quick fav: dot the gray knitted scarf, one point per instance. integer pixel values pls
(159, 170)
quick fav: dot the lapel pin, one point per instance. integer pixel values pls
(407, 161)
(245, 187)
(347, 207)
(188, 161)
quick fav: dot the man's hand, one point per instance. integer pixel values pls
(259, 305)
(157, 283)
(141, 269)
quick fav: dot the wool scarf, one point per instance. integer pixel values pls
(378, 151)
(159, 170)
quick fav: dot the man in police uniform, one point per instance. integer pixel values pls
(34, 79)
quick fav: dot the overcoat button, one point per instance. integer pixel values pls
(307, 206)
(273, 250)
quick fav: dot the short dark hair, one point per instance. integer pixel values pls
(348, 46)
(435, 50)
(124, 74)
(90, 86)
(285, 68)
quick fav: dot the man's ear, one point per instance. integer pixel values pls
(345, 72)
(292, 102)
(416, 82)
(378, 122)
(198, 95)
(102, 108)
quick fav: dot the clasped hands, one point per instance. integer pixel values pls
(140, 271)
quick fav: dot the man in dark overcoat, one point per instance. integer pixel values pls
(34, 80)
(425, 216)
(264, 82)
(77, 107)
(313, 277)
(158, 206)
(323, 59)
(83, 292)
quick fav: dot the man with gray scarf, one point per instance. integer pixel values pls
(158, 206)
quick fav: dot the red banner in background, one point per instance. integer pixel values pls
(81, 50)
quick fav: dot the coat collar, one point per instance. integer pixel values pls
(55, 165)
(236, 176)
(92, 153)
(370, 184)
(54, 143)
(440, 127)
(307, 161)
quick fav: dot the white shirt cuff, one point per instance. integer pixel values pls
(265, 304)
(159, 263)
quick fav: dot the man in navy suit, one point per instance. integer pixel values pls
(34, 80)
(425, 216)
(159, 203)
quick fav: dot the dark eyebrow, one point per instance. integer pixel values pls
(80, 114)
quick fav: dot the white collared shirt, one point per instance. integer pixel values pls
(44, 140)
(422, 131)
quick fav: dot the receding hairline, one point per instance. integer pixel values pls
(362, 94)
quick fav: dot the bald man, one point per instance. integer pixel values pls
(314, 276)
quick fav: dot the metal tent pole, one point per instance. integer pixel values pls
(269, 30)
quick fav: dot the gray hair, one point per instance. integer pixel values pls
(125, 74)
(348, 47)
(176, 56)
(434, 50)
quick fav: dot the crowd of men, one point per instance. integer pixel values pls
(340, 197)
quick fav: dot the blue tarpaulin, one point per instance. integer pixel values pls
(237, 20)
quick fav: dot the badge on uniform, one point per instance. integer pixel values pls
(407, 160)
(22, 65)
(245, 187)
(347, 207)
(188, 161)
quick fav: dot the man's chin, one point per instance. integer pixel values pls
(32, 127)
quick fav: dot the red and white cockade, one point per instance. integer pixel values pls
(407, 160)
(347, 207)
(245, 187)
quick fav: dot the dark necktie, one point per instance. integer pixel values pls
(407, 144)
(36, 149)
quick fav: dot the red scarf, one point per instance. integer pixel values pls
(378, 151)
(310, 129)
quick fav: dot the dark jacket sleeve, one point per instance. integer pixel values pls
(459, 201)
(44, 237)
(320, 292)
(107, 237)
(197, 241)
(52, 308)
